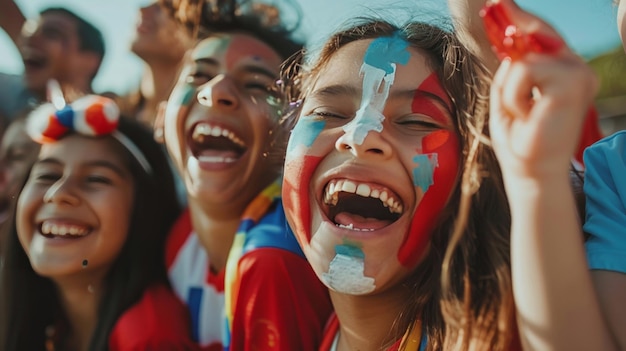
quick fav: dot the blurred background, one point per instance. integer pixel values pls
(587, 25)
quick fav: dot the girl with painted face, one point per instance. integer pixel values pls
(83, 267)
(388, 132)
(230, 257)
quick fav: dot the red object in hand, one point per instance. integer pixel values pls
(508, 40)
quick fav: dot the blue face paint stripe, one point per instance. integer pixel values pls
(423, 173)
(349, 250)
(306, 130)
(187, 95)
(385, 51)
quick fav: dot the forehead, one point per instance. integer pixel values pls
(232, 48)
(344, 66)
(57, 20)
(78, 148)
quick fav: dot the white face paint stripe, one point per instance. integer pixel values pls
(346, 275)
(378, 71)
(346, 272)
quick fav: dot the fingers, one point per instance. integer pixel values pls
(514, 32)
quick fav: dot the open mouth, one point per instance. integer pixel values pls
(216, 144)
(34, 61)
(361, 206)
(50, 229)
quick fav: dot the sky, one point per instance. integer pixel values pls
(587, 25)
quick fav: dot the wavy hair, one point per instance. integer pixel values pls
(461, 291)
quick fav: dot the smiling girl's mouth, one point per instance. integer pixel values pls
(215, 144)
(361, 206)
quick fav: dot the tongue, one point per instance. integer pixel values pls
(218, 156)
(348, 219)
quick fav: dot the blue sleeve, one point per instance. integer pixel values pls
(605, 192)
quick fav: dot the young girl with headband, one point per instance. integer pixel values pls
(83, 266)
(394, 192)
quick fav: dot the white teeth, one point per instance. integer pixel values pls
(203, 130)
(383, 196)
(331, 196)
(216, 159)
(351, 227)
(348, 187)
(363, 190)
(62, 229)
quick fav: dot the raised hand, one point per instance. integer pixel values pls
(540, 95)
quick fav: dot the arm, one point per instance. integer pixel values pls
(534, 138)
(281, 305)
(471, 31)
(11, 19)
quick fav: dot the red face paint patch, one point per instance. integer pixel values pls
(432, 86)
(445, 145)
(295, 194)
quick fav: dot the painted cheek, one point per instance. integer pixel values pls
(182, 101)
(299, 167)
(440, 161)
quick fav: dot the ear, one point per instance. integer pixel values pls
(159, 123)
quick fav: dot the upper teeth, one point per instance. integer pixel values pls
(62, 229)
(331, 196)
(203, 130)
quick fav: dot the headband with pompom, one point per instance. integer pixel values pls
(90, 115)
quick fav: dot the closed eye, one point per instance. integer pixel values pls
(47, 177)
(419, 126)
(327, 114)
(97, 179)
(198, 78)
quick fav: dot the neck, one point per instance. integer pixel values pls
(156, 85)
(366, 323)
(216, 233)
(80, 299)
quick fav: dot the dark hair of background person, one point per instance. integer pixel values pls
(29, 302)
(201, 18)
(89, 37)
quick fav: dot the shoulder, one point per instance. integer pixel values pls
(612, 146)
(605, 162)
(272, 231)
(159, 321)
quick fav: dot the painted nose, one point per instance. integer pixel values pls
(219, 92)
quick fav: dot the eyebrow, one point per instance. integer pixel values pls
(246, 69)
(97, 163)
(411, 93)
(336, 90)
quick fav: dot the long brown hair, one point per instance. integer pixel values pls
(461, 291)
